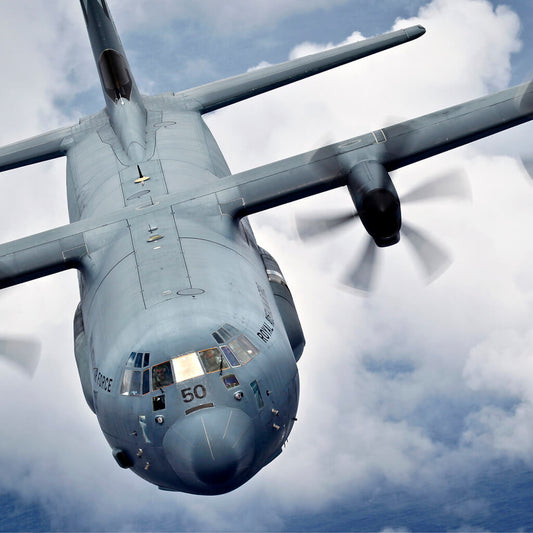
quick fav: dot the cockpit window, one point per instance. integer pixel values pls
(230, 356)
(217, 337)
(146, 381)
(225, 333)
(136, 382)
(139, 378)
(161, 376)
(243, 349)
(131, 383)
(187, 367)
(221, 335)
(139, 360)
(237, 348)
(213, 360)
(251, 350)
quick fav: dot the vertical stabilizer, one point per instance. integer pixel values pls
(123, 101)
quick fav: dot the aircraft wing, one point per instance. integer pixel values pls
(280, 182)
(47, 145)
(394, 147)
(222, 93)
(35, 150)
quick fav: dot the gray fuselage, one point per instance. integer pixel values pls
(161, 283)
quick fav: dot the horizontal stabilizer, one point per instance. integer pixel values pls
(35, 150)
(229, 91)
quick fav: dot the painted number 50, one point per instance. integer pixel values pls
(190, 394)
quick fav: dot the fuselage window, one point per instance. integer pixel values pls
(230, 381)
(187, 367)
(257, 395)
(161, 376)
(158, 402)
(213, 360)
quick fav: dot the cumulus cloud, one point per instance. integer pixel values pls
(238, 15)
(411, 387)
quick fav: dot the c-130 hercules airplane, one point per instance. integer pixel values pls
(186, 336)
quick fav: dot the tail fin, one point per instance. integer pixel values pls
(123, 100)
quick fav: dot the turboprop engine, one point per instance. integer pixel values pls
(376, 201)
(378, 207)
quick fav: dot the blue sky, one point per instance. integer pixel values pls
(416, 402)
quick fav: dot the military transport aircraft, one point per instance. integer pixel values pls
(186, 335)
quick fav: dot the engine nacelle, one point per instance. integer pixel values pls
(376, 201)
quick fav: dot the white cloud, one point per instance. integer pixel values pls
(382, 376)
(238, 15)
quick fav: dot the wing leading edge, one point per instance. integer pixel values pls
(273, 184)
(286, 180)
(393, 147)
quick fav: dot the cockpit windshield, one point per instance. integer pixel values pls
(213, 360)
(234, 350)
(186, 367)
(136, 382)
(161, 376)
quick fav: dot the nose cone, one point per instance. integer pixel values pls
(211, 450)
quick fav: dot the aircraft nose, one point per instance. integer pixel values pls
(211, 450)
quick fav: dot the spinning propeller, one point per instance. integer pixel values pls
(378, 209)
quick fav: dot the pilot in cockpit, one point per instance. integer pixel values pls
(162, 376)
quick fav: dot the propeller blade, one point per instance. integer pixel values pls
(432, 257)
(309, 227)
(449, 185)
(362, 275)
(22, 352)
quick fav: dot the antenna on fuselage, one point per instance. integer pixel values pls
(141, 179)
